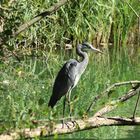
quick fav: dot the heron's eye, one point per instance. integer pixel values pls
(73, 64)
(85, 48)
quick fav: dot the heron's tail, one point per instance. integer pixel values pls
(52, 102)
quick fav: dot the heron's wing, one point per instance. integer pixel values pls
(64, 81)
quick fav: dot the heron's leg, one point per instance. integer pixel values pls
(136, 105)
(69, 103)
(70, 109)
(64, 103)
(67, 97)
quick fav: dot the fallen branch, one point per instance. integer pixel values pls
(51, 10)
(26, 25)
(93, 122)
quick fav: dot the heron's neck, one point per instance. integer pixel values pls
(82, 54)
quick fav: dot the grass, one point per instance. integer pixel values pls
(27, 86)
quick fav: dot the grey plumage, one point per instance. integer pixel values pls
(63, 82)
(70, 73)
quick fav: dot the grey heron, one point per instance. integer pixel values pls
(69, 75)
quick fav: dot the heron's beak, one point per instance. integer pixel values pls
(97, 50)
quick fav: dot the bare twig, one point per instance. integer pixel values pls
(115, 103)
(4, 8)
(136, 105)
(109, 89)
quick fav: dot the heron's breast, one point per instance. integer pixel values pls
(76, 80)
(79, 73)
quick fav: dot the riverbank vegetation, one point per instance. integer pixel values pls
(30, 60)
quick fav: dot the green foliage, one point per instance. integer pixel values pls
(26, 86)
(74, 22)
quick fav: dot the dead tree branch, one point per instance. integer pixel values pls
(51, 10)
(93, 122)
(106, 91)
(37, 18)
(115, 103)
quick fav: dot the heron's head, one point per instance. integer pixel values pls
(88, 47)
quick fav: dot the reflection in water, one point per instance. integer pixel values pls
(129, 132)
(135, 133)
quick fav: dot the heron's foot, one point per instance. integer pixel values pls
(85, 115)
(133, 118)
(65, 123)
(74, 123)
